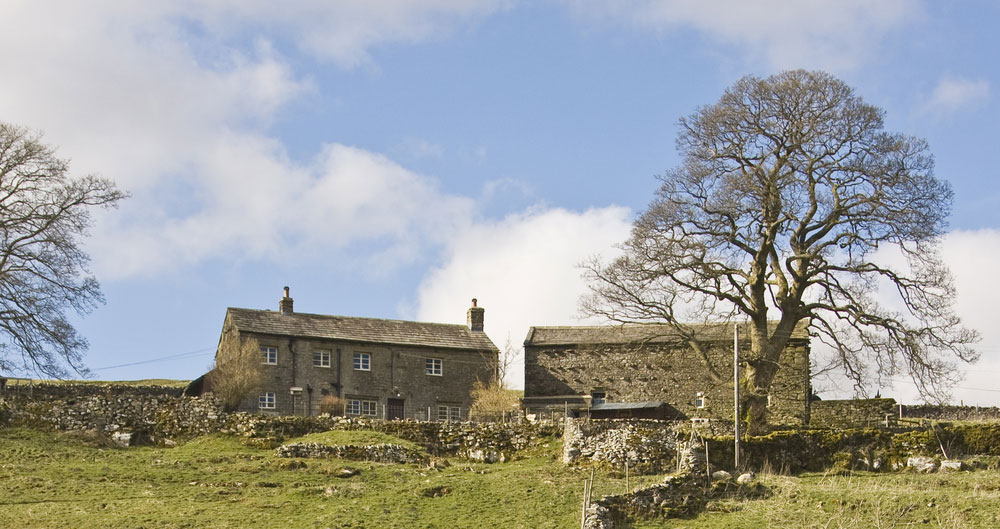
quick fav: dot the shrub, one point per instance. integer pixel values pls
(237, 370)
(333, 405)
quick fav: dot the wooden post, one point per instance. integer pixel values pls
(708, 466)
(583, 511)
(626, 478)
(736, 397)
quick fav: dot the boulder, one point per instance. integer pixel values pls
(721, 475)
(122, 439)
(952, 464)
(922, 464)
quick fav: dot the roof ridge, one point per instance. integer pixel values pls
(369, 318)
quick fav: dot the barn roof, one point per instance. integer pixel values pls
(636, 333)
(356, 329)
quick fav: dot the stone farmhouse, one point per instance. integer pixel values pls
(388, 369)
(652, 370)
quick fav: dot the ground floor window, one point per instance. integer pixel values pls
(266, 401)
(362, 407)
(449, 413)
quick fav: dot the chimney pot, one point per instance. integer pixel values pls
(285, 303)
(474, 317)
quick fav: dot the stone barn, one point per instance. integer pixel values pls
(582, 366)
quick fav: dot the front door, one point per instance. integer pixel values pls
(394, 409)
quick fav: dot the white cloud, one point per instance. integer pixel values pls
(257, 204)
(807, 33)
(523, 269)
(169, 100)
(953, 94)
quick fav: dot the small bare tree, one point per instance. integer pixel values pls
(237, 371)
(492, 397)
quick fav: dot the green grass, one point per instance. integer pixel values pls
(862, 500)
(76, 480)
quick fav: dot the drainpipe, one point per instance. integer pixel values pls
(291, 349)
(339, 370)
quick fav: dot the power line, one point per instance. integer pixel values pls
(188, 354)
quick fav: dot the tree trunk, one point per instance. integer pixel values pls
(757, 383)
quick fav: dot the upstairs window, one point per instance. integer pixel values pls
(321, 358)
(268, 354)
(362, 362)
(432, 366)
(700, 401)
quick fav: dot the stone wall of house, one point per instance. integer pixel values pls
(394, 372)
(672, 374)
(853, 413)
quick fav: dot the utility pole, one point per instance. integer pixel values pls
(736, 394)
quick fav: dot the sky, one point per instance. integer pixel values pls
(396, 158)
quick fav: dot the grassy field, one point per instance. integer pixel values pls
(70, 480)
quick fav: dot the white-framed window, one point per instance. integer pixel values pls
(432, 366)
(362, 407)
(598, 397)
(266, 401)
(449, 413)
(700, 401)
(321, 358)
(268, 354)
(362, 361)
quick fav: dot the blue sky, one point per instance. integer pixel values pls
(395, 159)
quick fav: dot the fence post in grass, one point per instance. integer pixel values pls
(626, 478)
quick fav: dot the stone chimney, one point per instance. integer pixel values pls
(474, 317)
(285, 305)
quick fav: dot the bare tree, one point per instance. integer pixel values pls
(492, 397)
(238, 370)
(44, 214)
(788, 187)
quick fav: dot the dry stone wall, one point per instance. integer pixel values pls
(382, 453)
(161, 417)
(854, 413)
(951, 413)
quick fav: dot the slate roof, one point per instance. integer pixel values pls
(635, 333)
(355, 329)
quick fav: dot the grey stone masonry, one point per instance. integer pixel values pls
(386, 369)
(574, 366)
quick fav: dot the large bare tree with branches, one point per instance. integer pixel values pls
(44, 214)
(790, 196)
